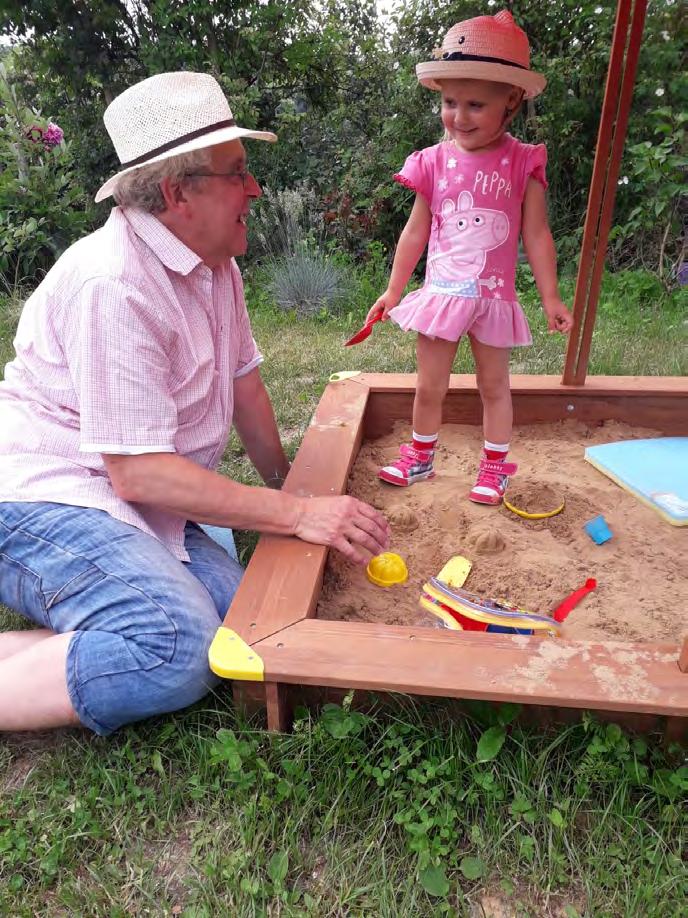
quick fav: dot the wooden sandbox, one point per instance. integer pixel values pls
(271, 635)
(280, 643)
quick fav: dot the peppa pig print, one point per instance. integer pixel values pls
(464, 234)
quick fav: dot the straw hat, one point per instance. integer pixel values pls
(484, 48)
(166, 115)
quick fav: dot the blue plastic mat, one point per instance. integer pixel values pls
(656, 471)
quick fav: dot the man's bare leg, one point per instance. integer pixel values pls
(33, 686)
(12, 642)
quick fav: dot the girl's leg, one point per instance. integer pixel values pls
(435, 357)
(492, 373)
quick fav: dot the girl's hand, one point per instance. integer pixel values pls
(559, 319)
(383, 304)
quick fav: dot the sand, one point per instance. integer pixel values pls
(642, 592)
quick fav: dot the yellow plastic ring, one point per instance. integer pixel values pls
(533, 516)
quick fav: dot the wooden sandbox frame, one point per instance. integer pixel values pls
(273, 610)
(270, 636)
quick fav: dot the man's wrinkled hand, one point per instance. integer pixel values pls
(353, 527)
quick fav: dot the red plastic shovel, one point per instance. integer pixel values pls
(562, 610)
(363, 333)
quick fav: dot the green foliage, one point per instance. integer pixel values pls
(307, 283)
(286, 222)
(387, 812)
(657, 170)
(338, 85)
(299, 269)
(42, 207)
(490, 743)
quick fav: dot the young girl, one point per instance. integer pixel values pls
(476, 192)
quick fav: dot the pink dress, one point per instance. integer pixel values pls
(476, 201)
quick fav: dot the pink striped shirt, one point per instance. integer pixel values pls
(129, 345)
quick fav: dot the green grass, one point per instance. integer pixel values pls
(413, 810)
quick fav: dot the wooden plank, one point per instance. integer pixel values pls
(283, 579)
(281, 585)
(662, 413)
(658, 413)
(610, 178)
(683, 657)
(642, 401)
(279, 710)
(546, 384)
(676, 731)
(598, 184)
(580, 674)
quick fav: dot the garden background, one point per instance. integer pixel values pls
(399, 812)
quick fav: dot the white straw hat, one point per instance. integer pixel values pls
(166, 115)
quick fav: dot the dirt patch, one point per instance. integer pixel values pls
(23, 753)
(642, 592)
(173, 865)
(522, 901)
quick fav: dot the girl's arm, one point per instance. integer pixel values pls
(542, 256)
(414, 237)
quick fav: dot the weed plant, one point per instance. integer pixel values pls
(414, 811)
(297, 270)
(307, 283)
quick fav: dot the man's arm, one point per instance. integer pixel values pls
(176, 484)
(255, 423)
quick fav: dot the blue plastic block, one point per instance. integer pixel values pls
(598, 530)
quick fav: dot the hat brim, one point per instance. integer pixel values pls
(430, 73)
(207, 140)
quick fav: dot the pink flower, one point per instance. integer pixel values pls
(53, 136)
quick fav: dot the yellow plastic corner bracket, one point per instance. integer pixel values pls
(232, 658)
(344, 374)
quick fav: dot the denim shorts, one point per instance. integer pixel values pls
(142, 620)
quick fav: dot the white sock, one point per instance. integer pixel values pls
(502, 448)
(426, 441)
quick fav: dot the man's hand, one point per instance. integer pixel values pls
(176, 484)
(559, 319)
(351, 526)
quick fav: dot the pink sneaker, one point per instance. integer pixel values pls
(493, 477)
(411, 466)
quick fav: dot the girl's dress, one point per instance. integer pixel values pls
(475, 200)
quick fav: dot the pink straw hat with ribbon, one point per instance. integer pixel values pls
(485, 48)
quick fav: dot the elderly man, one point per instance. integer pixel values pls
(134, 358)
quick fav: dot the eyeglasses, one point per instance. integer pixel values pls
(243, 175)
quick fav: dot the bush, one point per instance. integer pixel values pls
(286, 222)
(307, 283)
(42, 208)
